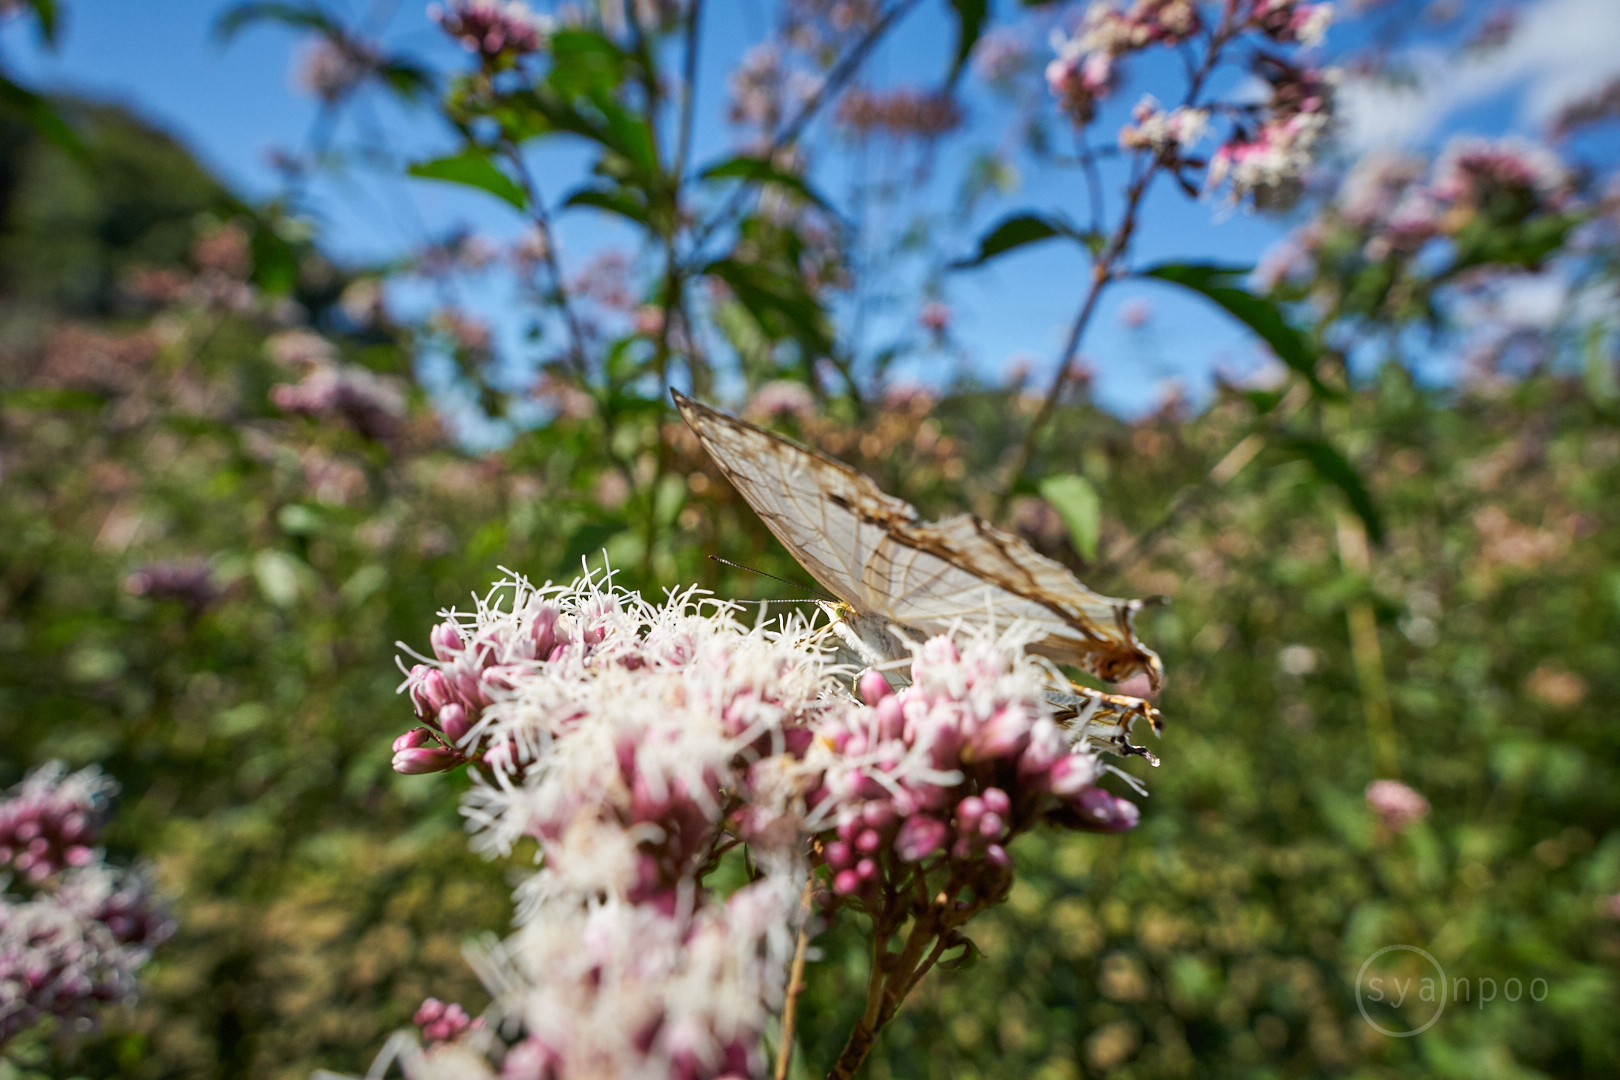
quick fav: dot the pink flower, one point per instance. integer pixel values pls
(781, 397)
(1000, 55)
(188, 581)
(1474, 170)
(1167, 134)
(935, 318)
(329, 69)
(51, 820)
(1290, 21)
(418, 760)
(85, 928)
(1398, 807)
(440, 1022)
(494, 29)
(372, 404)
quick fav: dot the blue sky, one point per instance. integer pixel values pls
(234, 104)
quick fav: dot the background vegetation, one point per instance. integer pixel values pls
(201, 586)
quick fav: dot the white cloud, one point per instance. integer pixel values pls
(1561, 50)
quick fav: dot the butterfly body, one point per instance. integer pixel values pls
(892, 571)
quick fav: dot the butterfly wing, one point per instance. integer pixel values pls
(963, 564)
(828, 515)
(870, 550)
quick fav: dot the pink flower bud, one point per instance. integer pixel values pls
(866, 869)
(996, 801)
(919, 838)
(891, 717)
(969, 811)
(432, 1009)
(846, 882)
(879, 814)
(425, 760)
(453, 719)
(1102, 811)
(868, 841)
(1071, 773)
(411, 739)
(874, 687)
(446, 641)
(991, 826)
(837, 854)
(997, 855)
(849, 825)
(543, 630)
(1004, 734)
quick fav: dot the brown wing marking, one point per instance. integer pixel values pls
(1093, 632)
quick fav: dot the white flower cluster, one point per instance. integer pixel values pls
(636, 744)
(1164, 133)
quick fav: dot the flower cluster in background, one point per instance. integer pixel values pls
(641, 746)
(1405, 237)
(1268, 147)
(73, 931)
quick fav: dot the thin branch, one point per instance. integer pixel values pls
(542, 222)
(841, 72)
(1103, 272)
(689, 77)
(790, 1009)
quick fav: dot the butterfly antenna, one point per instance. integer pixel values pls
(773, 577)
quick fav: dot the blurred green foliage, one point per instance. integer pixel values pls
(320, 897)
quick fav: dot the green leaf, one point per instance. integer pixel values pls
(275, 263)
(1333, 467)
(763, 171)
(971, 16)
(1015, 232)
(585, 63)
(778, 302)
(45, 13)
(234, 20)
(1077, 503)
(407, 79)
(473, 168)
(44, 398)
(615, 202)
(969, 958)
(1256, 312)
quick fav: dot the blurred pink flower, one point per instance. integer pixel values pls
(1290, 21)
(1396, 805)
(370, 403)
(189, 581)
(330, 69)
(493, 28)
(440, 1022)
(85, 928)
(1471, 170)
(935, 317)
(1167, 134)
(1136, 314)
(781, 397)
(1000, 54)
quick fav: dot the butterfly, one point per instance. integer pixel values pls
(892, 572)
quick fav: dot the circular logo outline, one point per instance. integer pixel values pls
(1362, 1005)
